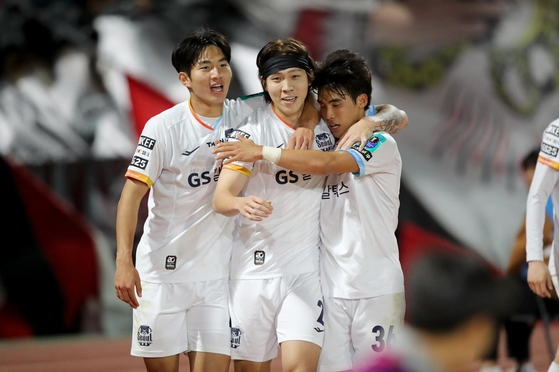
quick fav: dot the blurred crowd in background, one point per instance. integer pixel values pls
(78, 79)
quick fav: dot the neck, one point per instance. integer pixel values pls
(205, 109)
(291, 119)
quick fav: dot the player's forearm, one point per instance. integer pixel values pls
(311, 115)
(126, 221)
(535, 220)
(388, 118)
(311, 161)
(225, 203)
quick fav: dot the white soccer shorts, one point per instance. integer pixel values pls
(358, 329)
(174, 318)
(267, 312)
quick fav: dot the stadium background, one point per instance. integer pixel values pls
(79, 79)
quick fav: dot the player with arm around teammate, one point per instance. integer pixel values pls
(361, 275)
(181, 270)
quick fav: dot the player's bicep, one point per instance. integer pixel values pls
(231, 181)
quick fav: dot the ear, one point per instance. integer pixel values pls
(263, 83)
(362, 100)
(185, 80)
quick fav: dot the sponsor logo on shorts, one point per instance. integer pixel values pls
(259, 257)
(171, 262)
(235, 337)
(145, 335)
(146, 142)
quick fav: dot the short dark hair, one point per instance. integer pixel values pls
(446, 289)
(530, 159)
(278, 47)
(344, 72)
(188, 51)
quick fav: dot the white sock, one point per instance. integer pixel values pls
(554, 367)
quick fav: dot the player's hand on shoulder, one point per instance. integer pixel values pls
(243, 150)
(357, 133)
(302, 139)
(254, 208)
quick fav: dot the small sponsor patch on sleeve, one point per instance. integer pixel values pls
(139, 162)
(553, 130)
(148, 143)
(373, 143)
(549, 150)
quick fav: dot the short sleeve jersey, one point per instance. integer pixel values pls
(184, 240)
(544, 184)
(358, 218)
(287, 242)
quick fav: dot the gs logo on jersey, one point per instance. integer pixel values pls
(549, 150)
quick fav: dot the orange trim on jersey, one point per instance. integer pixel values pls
(549, 163)
(238, 168)
(279, 117)
(138, 176)
(196, 116)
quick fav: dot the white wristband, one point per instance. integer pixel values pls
(272, 154)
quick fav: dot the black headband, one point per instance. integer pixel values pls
(283, 62)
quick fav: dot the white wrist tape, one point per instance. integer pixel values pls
(272, 154)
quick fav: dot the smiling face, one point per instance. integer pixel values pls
(208, 82)
(339, 112)
(288, 90)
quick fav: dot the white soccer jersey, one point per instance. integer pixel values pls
(358, 219)
(287, 242)
(544, 184)
(184, 240)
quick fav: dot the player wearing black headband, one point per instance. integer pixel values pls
(361, 276)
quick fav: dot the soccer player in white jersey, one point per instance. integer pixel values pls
(181, 268)
(542, 278)
(275, 288)
(182, 261)
(361, 275)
